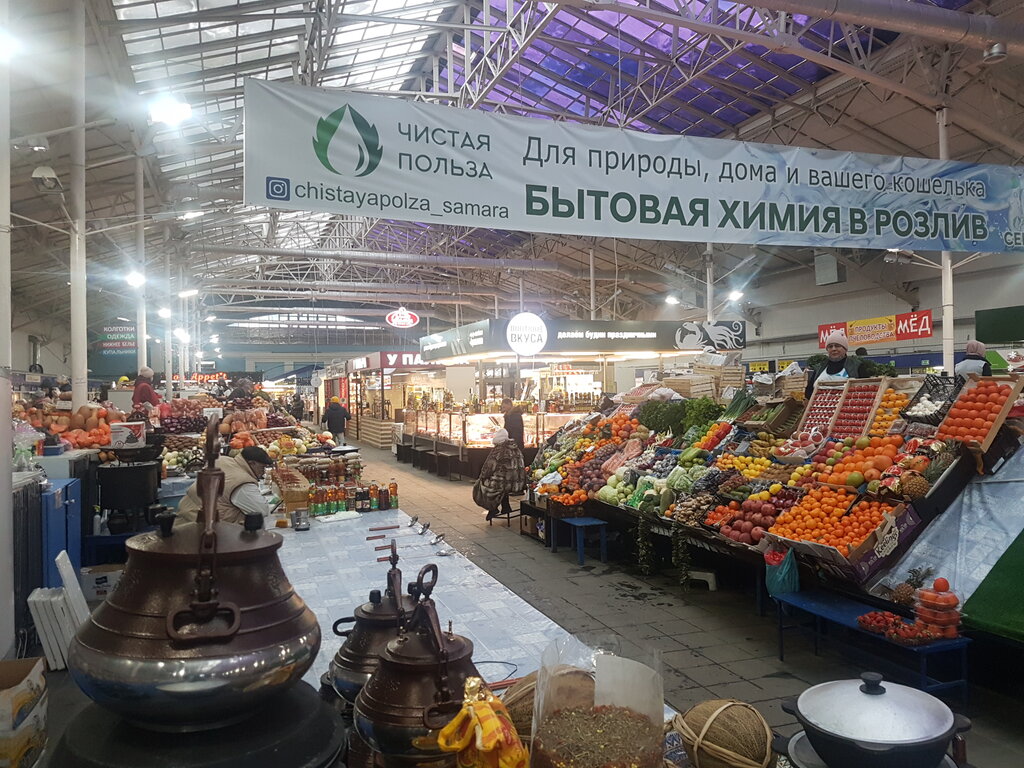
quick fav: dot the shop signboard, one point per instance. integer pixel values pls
(402, 318)
(340, 152)
(759, 366)
(588, 337)
(117, 340)
(526, 334)
(388, 361)
(906, 326)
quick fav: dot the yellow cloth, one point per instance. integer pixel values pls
(482, 732)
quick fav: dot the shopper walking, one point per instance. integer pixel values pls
(336, 417)
(298, 408)
(241, 493)
(144, 394)
(513, 422)
(503, 474)
(975, 361)
(840, 366)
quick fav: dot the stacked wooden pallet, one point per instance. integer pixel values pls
(691, 386)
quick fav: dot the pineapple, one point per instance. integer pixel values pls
(939, 464)
(914, 485)
(903, 593)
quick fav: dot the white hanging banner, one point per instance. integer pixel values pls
(343, 152)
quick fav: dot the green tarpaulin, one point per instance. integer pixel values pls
(996, 606)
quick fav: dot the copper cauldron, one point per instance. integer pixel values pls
(202, 627)
(417, 689)
(377, 622)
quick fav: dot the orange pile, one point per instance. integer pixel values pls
(888, 411)
(571, 499)
(974, 413)
(821, 516)
(620, 428)
(870, 459)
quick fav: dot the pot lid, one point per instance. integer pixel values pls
(418, 649)
(382, 608)
(184, 541)
(866, 710)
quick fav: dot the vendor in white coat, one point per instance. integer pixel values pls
(840, 365)
(975, 361)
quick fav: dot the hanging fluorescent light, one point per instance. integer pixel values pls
(148, 337)
(123, 319)
(735, 295)
(10, 46)
(210, 318)
(182, 335)
(216, 349)
(219, 357)
(158, 341)
(135, 279)
(188, 293)
(169, 111)
(671, 299)
(164, 312)
(189, 215)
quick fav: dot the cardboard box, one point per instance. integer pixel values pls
(127, 435)
(98, 581)
(22, 686)
(22, 747)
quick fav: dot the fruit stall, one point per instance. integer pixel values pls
(847, 481)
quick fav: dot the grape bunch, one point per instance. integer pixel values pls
(663, 465)
(732, 483)
(708, 482)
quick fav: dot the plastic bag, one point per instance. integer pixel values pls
(597, 706)
(782, 578)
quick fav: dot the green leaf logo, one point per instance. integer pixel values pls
(370, 150)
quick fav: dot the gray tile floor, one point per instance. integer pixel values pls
(714, 645)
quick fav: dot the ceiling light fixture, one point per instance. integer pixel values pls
(182, 335)
(735, 295)
(123, 319)
(164, 312)
(10, 46)
(135, 279)
(31, 143)
(189, 215)
(995, 53)
(671, 299)
(210, 318)
(189, 293)
(169, 111)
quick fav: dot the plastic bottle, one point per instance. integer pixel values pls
(374, 496)
(393, 492)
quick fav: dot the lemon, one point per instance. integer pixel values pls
(775, 487)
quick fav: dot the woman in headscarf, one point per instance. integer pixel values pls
(975, 361)
(502, 474)
(840, 366)
(144, 393)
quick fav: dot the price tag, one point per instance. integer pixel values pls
(208, 412)
(33, 378)
(759, 367)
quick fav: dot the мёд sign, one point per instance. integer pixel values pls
(879, 330)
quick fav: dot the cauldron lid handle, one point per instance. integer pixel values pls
(211, 479)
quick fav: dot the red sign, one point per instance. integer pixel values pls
(907, 326)
(402, 318)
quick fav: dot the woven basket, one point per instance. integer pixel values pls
(724, 733)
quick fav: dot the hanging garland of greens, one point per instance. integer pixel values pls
(681, 555)
(645, 547)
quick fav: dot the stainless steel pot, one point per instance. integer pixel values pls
(858, 723)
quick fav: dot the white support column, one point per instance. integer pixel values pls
(709, 282)
(948, 334)
(593, 288)
(520, 294)
(168, 338)
(6, 451)
(181, 321)
(140, 260)
(79, 317)
(497, 312)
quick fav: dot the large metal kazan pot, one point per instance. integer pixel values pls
(202, 628)
(377, 623)
(861, 723)
(416, 690)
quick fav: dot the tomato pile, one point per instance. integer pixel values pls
(974, 413)
(855, 410)
(822, 407)
(880, 622)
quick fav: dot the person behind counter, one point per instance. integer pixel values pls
(241, 493)
(144, 393)
(839, 366)
(975, 361)
(513, 422)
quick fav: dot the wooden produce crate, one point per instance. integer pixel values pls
(820, 393)
(290, 485)
(1016, 384)
(640, 394)
(790, 385)
(785, 422)
(902, 385)
(855, 391)
(691, 386)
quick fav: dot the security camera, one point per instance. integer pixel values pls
(46, 181)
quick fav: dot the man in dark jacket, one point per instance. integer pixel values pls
(335, 417)
(513, 422)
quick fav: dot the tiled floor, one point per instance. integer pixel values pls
(714, 645)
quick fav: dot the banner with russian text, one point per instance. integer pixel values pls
(342, 152)
(907, 326)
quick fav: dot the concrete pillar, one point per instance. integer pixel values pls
(948, 337)
(79, 317)
(140, 260)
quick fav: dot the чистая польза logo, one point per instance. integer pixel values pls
(370, 150)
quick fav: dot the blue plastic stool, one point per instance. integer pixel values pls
(579, 525)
